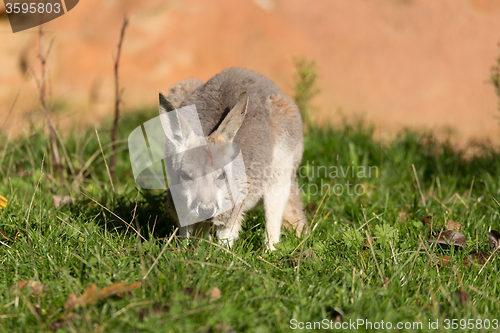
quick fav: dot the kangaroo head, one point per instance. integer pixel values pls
(195, 165)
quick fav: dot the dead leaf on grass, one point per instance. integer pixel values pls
(222, 328)
(426, 219)
(452, 225)
(311, 206)
(494, 240)
(35, 287)
(450, 237)
(118, 289)
(71, 302)
(4, 235)
(443, 261)
(386, 281)
(193, 292)
(59, 200)
(91, 295)
(479, 257)
(214, 294)
(403, 217)
(367, 243)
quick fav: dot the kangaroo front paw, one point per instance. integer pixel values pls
(270, 247)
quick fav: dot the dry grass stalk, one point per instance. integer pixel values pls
(112, 162)
(56, 158)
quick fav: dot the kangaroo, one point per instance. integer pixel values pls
(244, 108)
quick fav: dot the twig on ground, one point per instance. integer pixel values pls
(84, 261)
(161, 253)
(139, 244)
(81, 233)
(4, 151)
(413, 263)
(471, 186)
(374, 257)
(112, 162)
(43, 101)
(482, 294)
(133, 218)
(491, 256)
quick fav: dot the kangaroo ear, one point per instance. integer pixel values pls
(231, 124)
(165, 105)
(176, 128)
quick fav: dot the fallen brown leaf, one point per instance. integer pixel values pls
(450, 237)
(193, 292)
(19, 285)
(403, 217)
(444, 260)
(59, 200)
(426, 219)
(223, 328)
(311, 206)
(118, 288)
(91, 295)
(479, 257)
(452, 225)
(385, 282)
(214, 294)
(4, 235)
(71, 302)
(367, 243)
(35, 287)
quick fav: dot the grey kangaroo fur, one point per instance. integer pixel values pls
(248, 109)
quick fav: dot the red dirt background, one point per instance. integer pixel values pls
(423, 64)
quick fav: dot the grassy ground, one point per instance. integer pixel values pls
(332, 275)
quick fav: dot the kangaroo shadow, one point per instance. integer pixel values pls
(147, 213)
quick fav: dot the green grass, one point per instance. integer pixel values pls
(260, 292)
